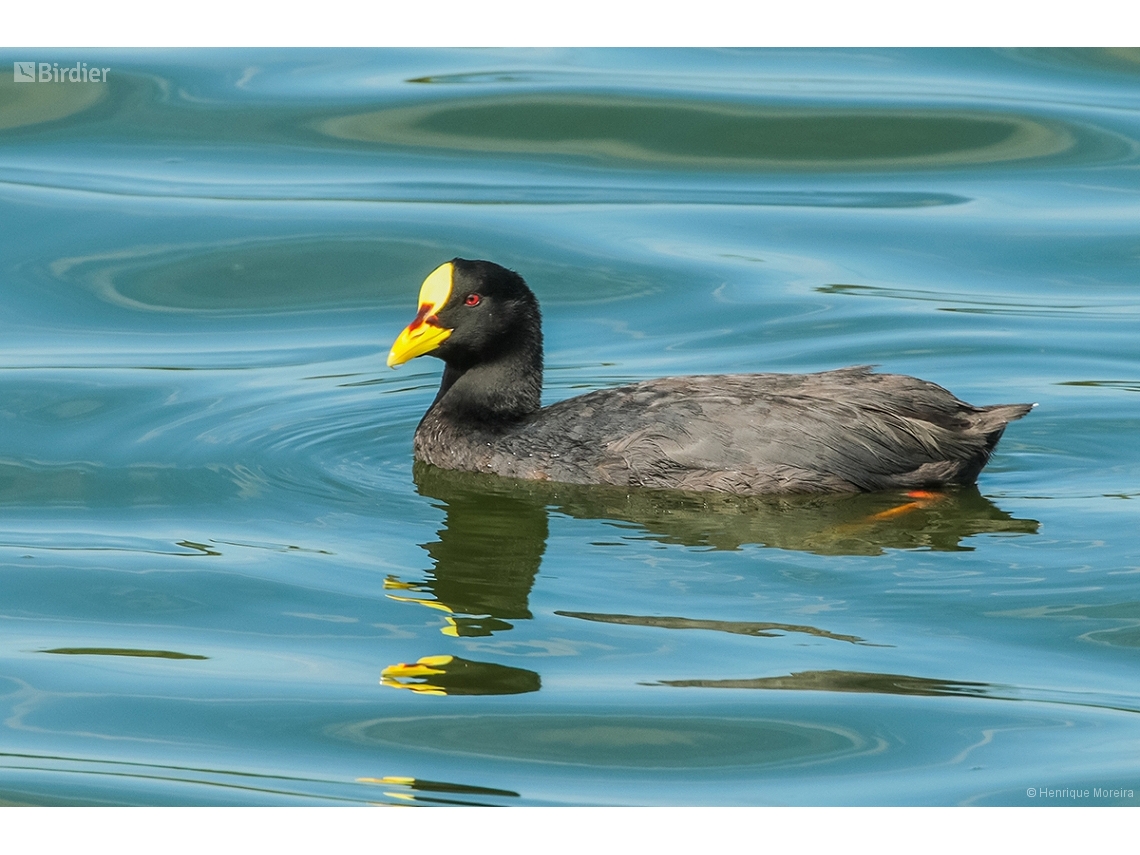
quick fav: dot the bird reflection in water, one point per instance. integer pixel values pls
(420, 790)
(451, 675)
(485, 559)
(489, 550)
(847, 681)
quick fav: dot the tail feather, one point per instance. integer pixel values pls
(999, 415)
(991, 422)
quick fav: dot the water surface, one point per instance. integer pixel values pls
(224, 582)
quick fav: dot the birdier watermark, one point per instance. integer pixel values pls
(53, 72)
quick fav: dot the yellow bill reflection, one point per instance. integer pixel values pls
(451, 675)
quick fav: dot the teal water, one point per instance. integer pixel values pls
(219, 567)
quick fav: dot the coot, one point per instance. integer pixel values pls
(835, 431)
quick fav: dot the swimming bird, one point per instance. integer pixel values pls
(847, 430)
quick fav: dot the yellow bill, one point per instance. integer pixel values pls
(424, 334)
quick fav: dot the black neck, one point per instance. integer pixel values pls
(502, 390)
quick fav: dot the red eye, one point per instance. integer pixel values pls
(472, 300)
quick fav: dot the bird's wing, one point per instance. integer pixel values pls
(847, 429)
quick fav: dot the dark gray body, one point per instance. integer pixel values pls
(751, 434)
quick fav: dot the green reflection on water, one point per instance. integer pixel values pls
(750, 628)
(25, 105)
(844, 681)
(123, 651)
(631, 741)
(265, 276)
(708, 135)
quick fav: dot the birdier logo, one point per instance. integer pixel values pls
(51, 72)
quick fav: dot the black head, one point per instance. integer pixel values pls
(471, 312)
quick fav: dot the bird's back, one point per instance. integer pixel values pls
(840, 430)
